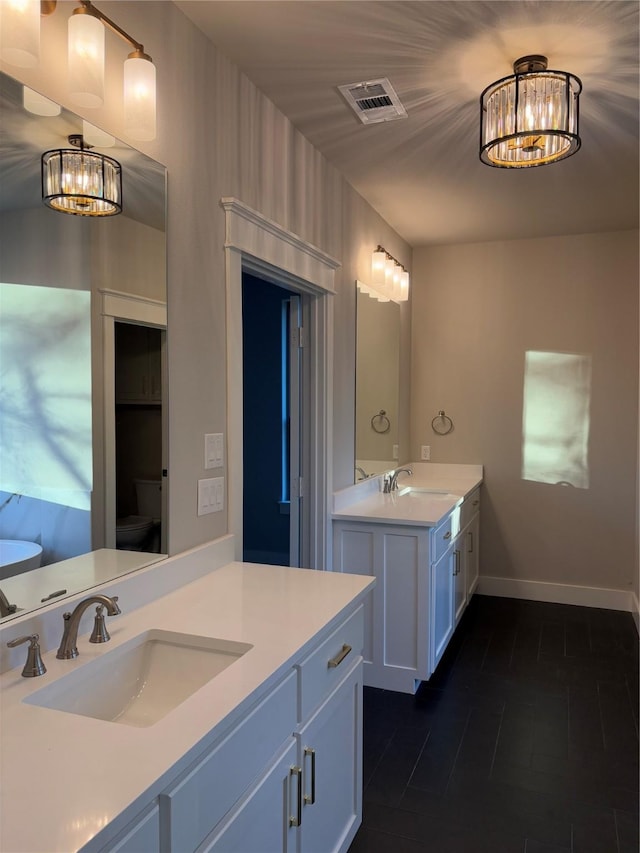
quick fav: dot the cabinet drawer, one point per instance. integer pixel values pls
(192, 808)
(322, 670)
(470, 507)
(443, 535)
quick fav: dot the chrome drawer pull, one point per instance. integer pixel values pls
(310, 800)
(475, 503)
(296, 821)
(337, 660)
(471, 541)
(447, 535)
(456, 561)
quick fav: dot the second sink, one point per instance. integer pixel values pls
(138, 683)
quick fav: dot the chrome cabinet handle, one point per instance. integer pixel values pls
(297, 819)
(310, 799)
(475, 503)
(447, 535)
(337, 660)
(456, 561)
(470, 535)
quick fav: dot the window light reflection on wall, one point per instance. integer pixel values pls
(555, 419)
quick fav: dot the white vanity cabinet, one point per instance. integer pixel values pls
(425, 577)
(285, 778)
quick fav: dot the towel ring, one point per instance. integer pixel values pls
(380, 423)
(442, 424)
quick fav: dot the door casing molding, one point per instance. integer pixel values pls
(259, 245)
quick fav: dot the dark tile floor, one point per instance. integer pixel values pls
(525, 740)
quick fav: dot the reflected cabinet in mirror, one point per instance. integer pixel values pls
(82, 344)
(377, 385)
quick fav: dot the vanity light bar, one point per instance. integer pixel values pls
(389, 278)
(20, 45)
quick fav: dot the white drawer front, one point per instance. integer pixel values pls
(441, 538)
(470, 507)
(322, 670)
(193, 807)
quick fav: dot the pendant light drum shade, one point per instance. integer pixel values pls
(531, 117)
(81, 182)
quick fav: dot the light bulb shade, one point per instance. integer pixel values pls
(403, 296)
(140, 97)
(86, 59)
(37, 104)
(20, 32)
(378, 264)
(94, 137)
(529, 119)
(81, 183)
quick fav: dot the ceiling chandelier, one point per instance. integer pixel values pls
(82, 182)
(531, 117)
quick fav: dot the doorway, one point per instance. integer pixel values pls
(138, 436)
(275, 430)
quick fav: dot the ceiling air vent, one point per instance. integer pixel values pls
(373, 101)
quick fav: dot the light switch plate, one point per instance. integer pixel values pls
(214, 450)
(210, 495)
(425, 452)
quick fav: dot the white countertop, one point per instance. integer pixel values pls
(27, 589)
(449, 485)
(63, 777)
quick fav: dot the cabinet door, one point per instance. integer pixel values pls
(262, 823)
(132, 362)
(459, 577)
(330, 753)
(472, 554)
(441, 605)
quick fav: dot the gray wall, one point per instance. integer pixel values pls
(219, 136)
(476, 310)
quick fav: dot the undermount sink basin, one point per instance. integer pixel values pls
(143, 680)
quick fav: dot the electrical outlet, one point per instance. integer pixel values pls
(394, 452)
(425, 452)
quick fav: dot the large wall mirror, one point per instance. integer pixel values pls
(377, 386)
(82, 381)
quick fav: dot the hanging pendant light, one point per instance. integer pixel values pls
(531, 117)
(81, 182)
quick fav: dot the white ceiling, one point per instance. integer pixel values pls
(422, 173)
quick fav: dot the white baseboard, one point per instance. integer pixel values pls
(558, 593)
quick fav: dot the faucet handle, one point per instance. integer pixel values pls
(100, 633)
(34, 665)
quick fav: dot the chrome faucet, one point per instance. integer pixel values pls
(391, 484)
(68, 646)
(6, 609)
(362, 472)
